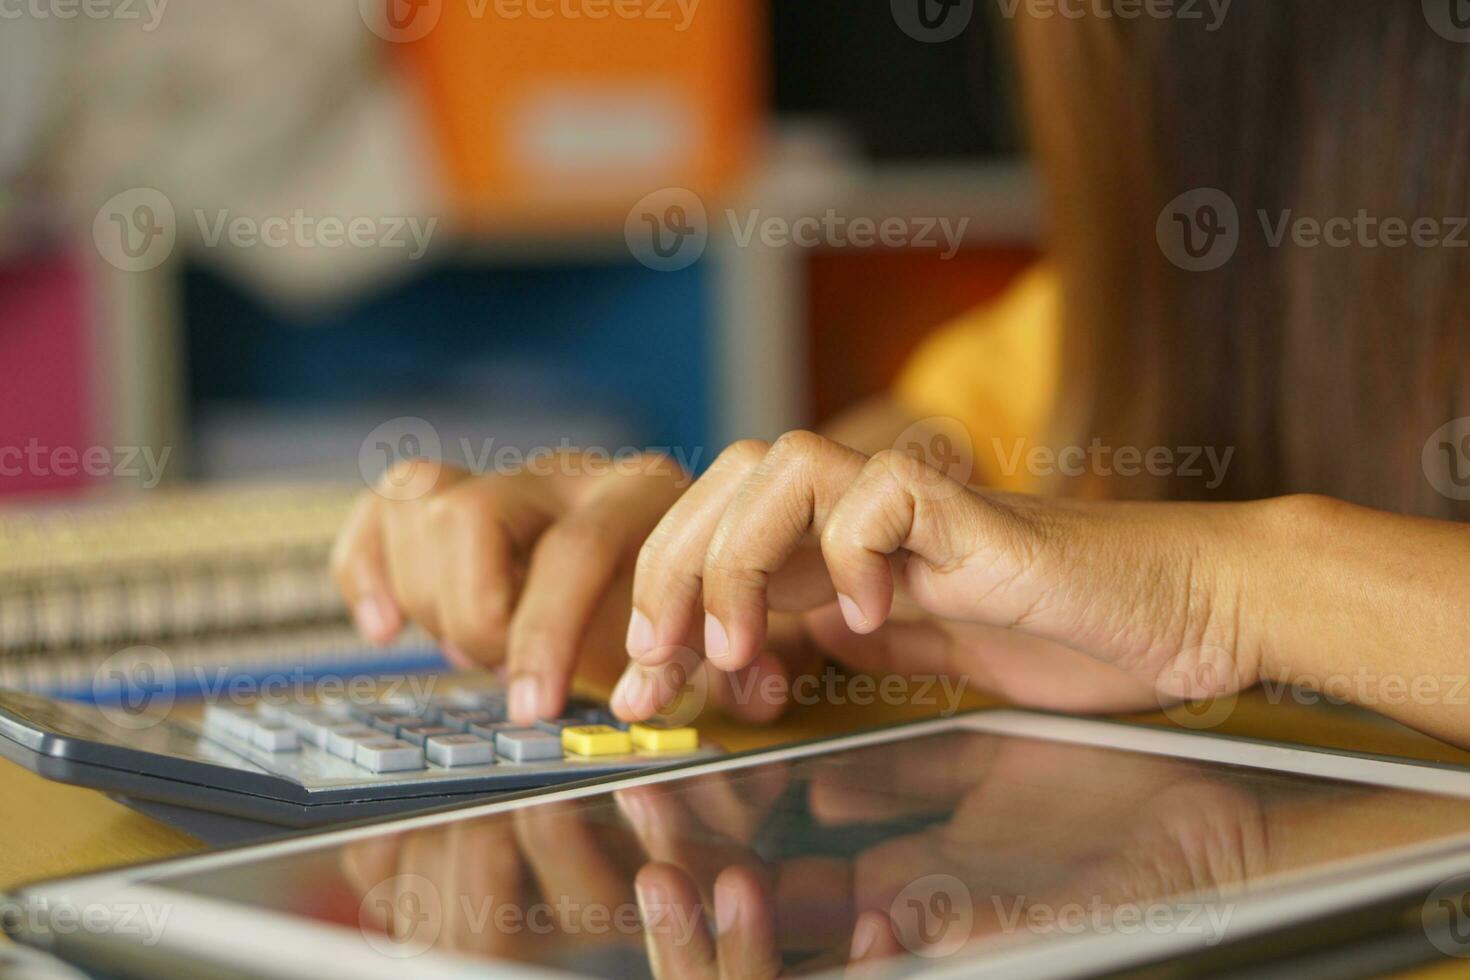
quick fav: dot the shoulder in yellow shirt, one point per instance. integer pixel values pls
(996, 371)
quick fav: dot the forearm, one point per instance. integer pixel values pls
(1366, 607)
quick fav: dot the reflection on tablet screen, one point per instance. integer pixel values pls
(962, 839)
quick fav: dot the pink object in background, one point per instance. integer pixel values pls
(47, 401)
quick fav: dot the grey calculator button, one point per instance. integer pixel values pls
(271, 712)
(228, 719)
(527, 745)
(460, 720)
(342, 739)
(469, 690)
(388, 755)
(489, 730)
(491, 704)
(339, 709)
(459, 750)
(392, 723)
(275, 737)
(554, 726)
(417, 734)
(314, 727)
(308, 722)
(405, 702)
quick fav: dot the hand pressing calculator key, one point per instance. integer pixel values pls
(312, 763)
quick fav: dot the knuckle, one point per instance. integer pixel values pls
(743, 455)
(799, 444)
(406, 472)
(894, 469)
(443, 512)
(892, 461)
(725, 569)
(428, 477)
(457, 514)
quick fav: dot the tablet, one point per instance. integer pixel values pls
(1006, 841)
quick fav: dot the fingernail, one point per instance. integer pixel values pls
(628, 686)
(853, 613)
(650, 897)
(631, 803)
(727, 907)
(525, 699)
(457, 657)
(716, 640)
(640, 635)
(863, 938)
(374, 619)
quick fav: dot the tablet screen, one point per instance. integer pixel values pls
(961, 839)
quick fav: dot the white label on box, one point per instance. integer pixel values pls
(602, 135)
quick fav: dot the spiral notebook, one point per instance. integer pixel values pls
(219, 582)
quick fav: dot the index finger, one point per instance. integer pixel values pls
(572, 568)
(789, 494)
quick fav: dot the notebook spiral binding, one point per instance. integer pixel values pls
(234, 579)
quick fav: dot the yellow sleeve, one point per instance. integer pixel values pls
(996, 371)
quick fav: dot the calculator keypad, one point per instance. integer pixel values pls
(407, 737)
(342, 739)
(527, 745)
(389, 755)
(459, 750)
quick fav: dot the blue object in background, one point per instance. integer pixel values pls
(613, 339)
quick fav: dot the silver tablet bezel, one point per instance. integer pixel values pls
(213, 930)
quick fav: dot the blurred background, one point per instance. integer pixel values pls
(253, 253)
(237, 239)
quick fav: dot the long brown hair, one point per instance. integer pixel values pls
(1326, 369)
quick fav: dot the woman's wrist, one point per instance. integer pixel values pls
(1365, 607)
(1281, 567)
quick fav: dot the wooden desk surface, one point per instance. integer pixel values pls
(53, 830)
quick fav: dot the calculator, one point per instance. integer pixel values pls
(330, 759)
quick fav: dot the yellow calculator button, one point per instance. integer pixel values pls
(653, 739)
(595, 740)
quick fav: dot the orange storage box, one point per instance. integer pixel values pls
(561, 114)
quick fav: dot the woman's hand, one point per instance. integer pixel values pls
(1153, 592)
(516, 568)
